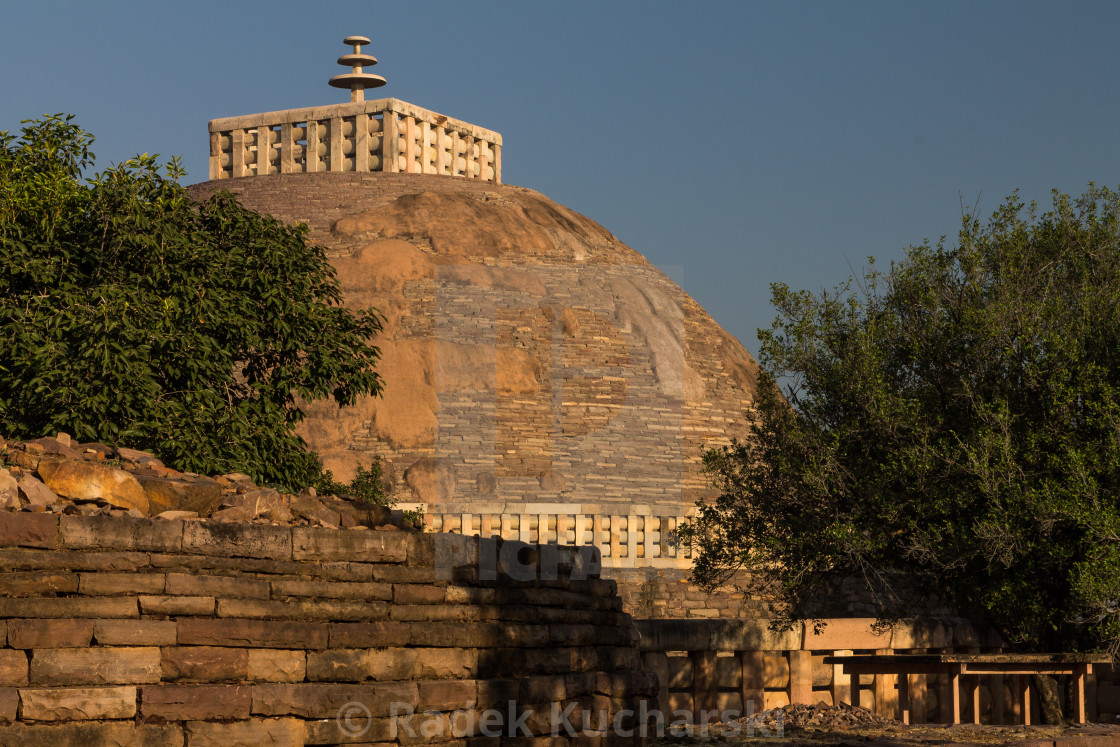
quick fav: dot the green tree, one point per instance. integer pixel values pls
(948, 428)
(132, 314)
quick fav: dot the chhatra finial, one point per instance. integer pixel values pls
(356, 80)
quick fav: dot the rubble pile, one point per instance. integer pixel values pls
(59, 475)
(820, 716)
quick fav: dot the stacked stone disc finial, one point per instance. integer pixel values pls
(356, 80)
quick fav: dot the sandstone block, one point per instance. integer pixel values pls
(169, 606)
(846, 633)
(9, 705)
(138, 457)
(298, 587)
(50, 633)
(417, 594)
(277, 665)
(237, 540)
(358, 665)
(448, 695)
(134, 632)
(107, 733)
(469, 595)
(542, 689)
(13, 668)
(165, 494)
(455, 634)
(327, 609)
(69, 607)
(191, 702)
(18, 584)
(35, 492)
(238, 514)
(204, 664)
(315, 700)
(313, 510)
(269, 732)
(577, 635)
(252, 633)
(312, 543)
(371, 635)
(231, 566)
(256, 501)
(185, 584)
(21, 529)
(95, 666)
(87, 481)
(426, 728)
(497, 693)
(115, 584)
(77, 703)
(121, 533)
(351, 728)
(9, 490)
(422, 612)
(63, 560)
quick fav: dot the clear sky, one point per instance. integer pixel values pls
(733, 143)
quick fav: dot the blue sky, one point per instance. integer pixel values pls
(734, 144)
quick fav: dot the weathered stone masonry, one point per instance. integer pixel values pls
(141, 631)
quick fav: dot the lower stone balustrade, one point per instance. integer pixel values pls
(640, 539)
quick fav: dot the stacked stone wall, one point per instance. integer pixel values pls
(143, 631)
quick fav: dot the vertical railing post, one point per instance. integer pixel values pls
(287, 154)
(390, 148)
(841, 681)
(237, 153)
(801, 676)
(410, 135)
(336, 145)
(704, 686)
(215, 155)
(311, 148)
(361, 143)
(753, 683)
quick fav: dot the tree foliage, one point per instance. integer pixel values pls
(950, 427)
(132, 314)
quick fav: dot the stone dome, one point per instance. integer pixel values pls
(530, 358)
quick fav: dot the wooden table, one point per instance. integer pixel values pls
(973, 666)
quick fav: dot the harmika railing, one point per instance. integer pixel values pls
(364, 136)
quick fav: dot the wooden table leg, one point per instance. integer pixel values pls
(975, 682)
(855, 690)
(1078, 705)
(955, 687)
(1023, 692)
(995, 688)
(904, 697)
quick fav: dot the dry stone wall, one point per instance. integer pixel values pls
(136, 631)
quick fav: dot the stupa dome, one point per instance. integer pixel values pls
(543, 381)
(529, 356)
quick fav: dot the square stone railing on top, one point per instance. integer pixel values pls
(383, 135)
